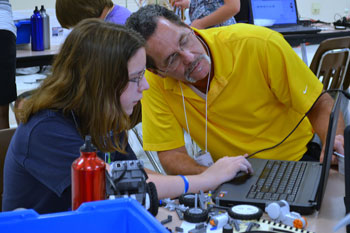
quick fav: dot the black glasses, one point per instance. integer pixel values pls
(174, 60)
(138, 78)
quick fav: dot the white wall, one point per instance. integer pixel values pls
(30, 4)
(327, 9)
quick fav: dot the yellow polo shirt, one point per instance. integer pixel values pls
(260, 91)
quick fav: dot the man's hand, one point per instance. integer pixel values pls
(338, 147)
(226, 169)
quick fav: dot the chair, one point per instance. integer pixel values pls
(5, 138)
(330, 63)
(136, 128)
(191, 147)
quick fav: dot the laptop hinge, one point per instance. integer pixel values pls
(313, 202)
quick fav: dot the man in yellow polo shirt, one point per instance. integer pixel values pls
(236, 90)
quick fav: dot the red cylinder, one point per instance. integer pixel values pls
(88, 177)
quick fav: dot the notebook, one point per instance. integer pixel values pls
(303, 191)
(279, 15)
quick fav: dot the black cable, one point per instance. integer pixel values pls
(347, 95)
(142, 170)
(121, 175)
(109, 178)
(322, 22)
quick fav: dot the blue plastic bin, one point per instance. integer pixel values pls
(23, 31)
(120, 215)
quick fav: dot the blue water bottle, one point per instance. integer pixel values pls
(37, 31)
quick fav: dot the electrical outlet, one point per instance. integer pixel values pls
(315, 8)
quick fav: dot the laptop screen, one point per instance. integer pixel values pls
(332, 129)
(274, 12)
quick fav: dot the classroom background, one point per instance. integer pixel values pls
(324, 10)
(27, 79)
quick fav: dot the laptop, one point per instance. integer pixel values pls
(347, 172)
(301, 184)
(279, 15)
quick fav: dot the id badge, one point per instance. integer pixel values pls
(204, 158)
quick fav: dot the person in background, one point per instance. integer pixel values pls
(71, 12)
(236, 90)
(97, 78)
(209, 13)
(8, 90)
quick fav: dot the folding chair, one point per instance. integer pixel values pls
(330, 63)
(136, 128)
(5, 138)
(151, 155)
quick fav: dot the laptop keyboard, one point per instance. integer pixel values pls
(280, 180)
(291, 27)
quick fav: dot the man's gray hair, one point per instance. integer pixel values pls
(145, 19)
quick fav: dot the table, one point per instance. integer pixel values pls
(303, 39)
(296, 39)
(28, 58)
(323, 221)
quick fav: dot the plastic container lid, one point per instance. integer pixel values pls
(119, 215)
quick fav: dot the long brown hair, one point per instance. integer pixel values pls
(88, 77)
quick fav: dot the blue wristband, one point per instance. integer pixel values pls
(185, 182)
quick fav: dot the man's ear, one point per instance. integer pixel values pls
(154, 71)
